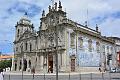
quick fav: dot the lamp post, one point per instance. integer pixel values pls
(22, 59)
(56, 55)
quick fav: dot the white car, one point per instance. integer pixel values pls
(113, 70)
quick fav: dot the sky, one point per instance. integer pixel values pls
(105, 13)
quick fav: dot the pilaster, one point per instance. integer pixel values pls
(38, 63)
(13, 65)
(18, 63)
(54, 64)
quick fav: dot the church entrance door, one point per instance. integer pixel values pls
(50, 63)
(72, 65)
(25, 64)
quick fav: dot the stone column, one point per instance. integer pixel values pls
(45, 64)
(41, 62)
(54, 62)
(13, 65)
(59, 61)
(38, 64)
(22, 66)
(64, 59)
(28, 64)
(18, 64)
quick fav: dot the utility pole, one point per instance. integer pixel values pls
(0, 53)
(56, 55)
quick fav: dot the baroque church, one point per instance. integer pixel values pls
(78, 47)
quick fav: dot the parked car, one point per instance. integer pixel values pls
(118, 70)
(113, 70)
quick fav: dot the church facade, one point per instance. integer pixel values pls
(78, 47)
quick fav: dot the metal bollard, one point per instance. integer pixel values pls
(44, 76)
(69, 76)
(33, 76)
(80, 76)
(91, 76)
(3, 77)
(110, 75)
(102, 76)
(22, 75)
(9, 76)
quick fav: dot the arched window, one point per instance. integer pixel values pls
(15, 65)
(20, 65)
(25, 65)
(29, 63)
(90, 45)
(16, 49)
(21, 47)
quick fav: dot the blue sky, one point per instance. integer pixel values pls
(105, 13)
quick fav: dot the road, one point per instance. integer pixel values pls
(71, 76)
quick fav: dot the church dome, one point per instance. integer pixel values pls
(25, 20)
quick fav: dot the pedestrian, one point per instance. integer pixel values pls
(49, 69)
(1, 76)
(100, 69)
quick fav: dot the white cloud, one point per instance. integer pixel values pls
(77, 10)
(111, 27)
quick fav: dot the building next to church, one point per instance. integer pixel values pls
(117, 50)
(79, 47)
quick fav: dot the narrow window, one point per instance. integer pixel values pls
(16, 49)
(18, 33)
(30, 47)
(29, 63)
(26, 46)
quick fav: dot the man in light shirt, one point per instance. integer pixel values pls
(1, 74)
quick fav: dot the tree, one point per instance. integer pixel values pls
(5, 64)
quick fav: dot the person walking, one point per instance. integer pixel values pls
(1, 76)
(100, 70)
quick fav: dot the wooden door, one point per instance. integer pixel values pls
(50, 63)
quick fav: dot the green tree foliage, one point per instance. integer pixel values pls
(5, 64)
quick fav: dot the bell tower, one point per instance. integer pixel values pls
(24, 24)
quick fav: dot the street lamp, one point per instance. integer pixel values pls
(22, 59)
(56, 55)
